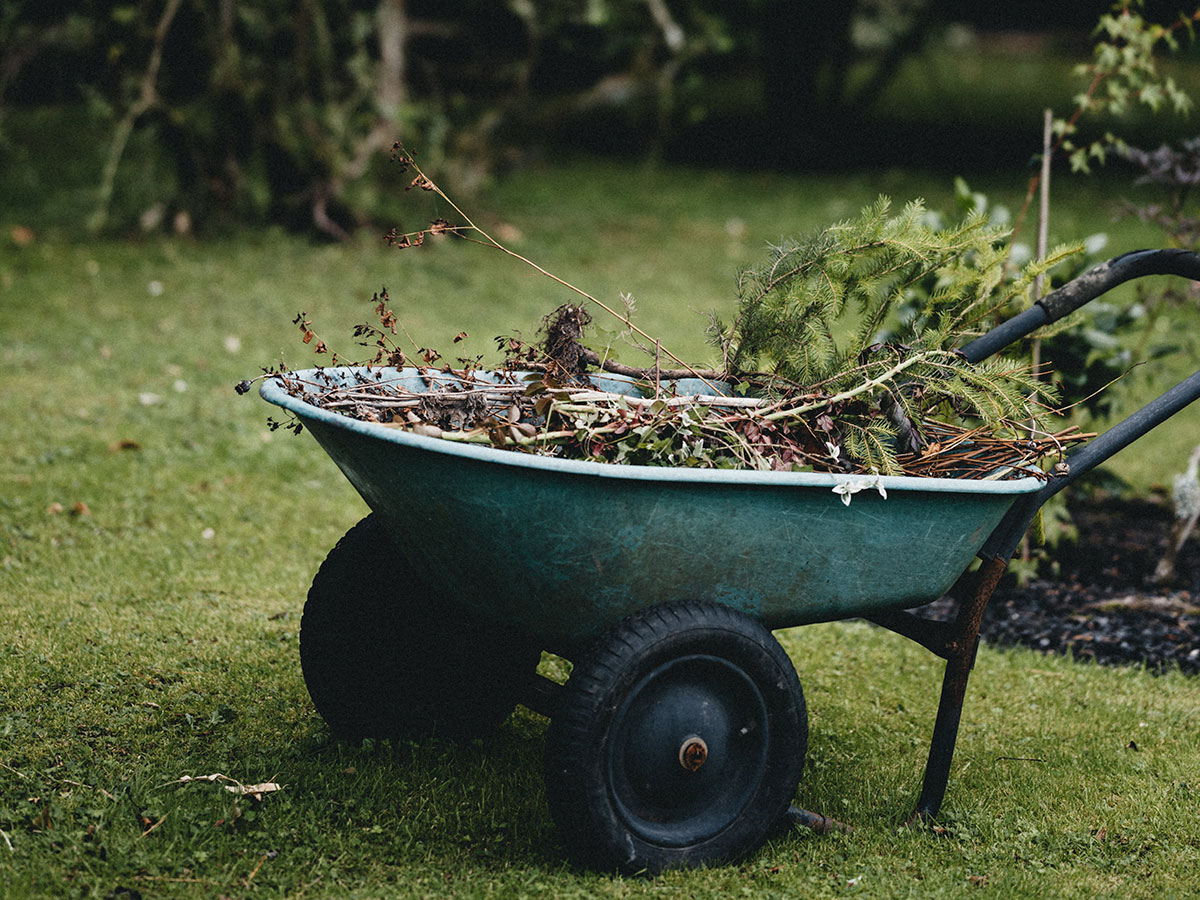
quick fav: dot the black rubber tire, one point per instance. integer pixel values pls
(616, 781)
(384, 656)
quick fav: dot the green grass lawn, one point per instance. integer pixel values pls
(156, 542)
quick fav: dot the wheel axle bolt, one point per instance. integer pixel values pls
(693, 753)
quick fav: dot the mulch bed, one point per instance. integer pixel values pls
(1101, 604)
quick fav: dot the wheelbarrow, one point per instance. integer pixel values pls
(680, 735)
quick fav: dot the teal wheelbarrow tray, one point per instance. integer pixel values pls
(680, 735)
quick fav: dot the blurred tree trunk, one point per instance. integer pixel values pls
(391, 92)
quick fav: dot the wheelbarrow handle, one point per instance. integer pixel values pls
(957, 642)
(1061, 302)
(1087, 287)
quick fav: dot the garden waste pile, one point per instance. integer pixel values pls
(842, 357)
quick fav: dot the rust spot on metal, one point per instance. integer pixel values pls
(693, 753)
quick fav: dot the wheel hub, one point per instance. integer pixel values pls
(688, 750)
(693, 753)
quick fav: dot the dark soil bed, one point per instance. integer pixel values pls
(1102, 604)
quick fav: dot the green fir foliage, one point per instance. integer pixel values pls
(864, 319)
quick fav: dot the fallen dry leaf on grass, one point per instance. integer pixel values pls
(254, 790)
(233, 785)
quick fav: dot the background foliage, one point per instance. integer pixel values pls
(266, 110)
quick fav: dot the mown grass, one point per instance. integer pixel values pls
(156, 541)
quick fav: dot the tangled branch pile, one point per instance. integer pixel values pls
(530, 412)
(842, 357)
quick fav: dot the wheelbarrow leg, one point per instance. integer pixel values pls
(959, 652)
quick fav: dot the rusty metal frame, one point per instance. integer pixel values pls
(956, 642)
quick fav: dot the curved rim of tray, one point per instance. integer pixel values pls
(273, 392)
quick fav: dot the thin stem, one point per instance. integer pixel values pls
(492, 242)
(863, 388)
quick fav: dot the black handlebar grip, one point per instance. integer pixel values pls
(1104, 277)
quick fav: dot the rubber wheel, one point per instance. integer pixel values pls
(384, 656)
(679, 742)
